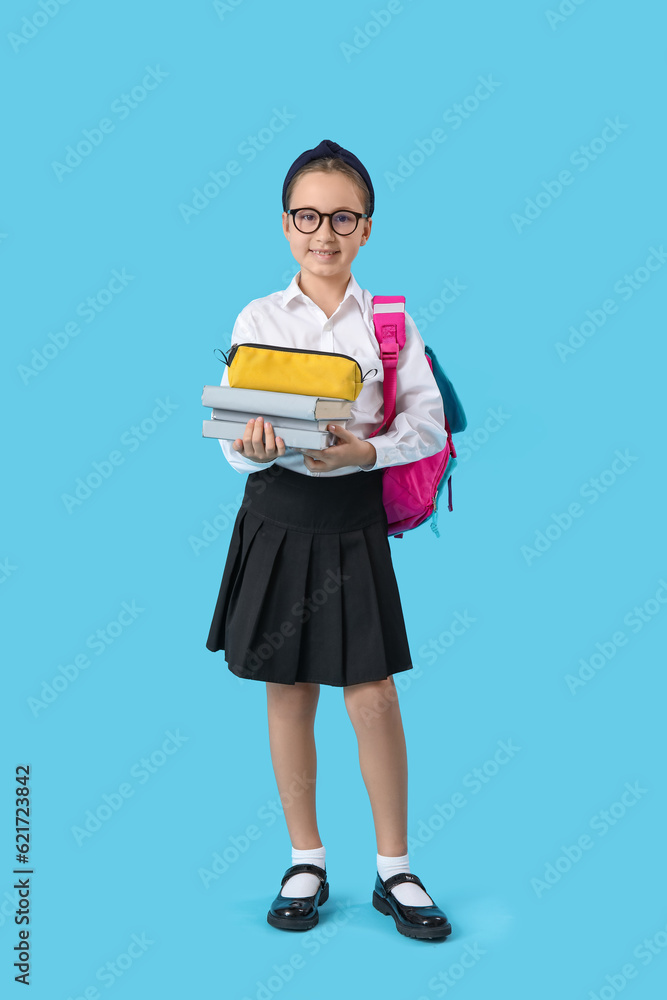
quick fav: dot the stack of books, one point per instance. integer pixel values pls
(301, 421)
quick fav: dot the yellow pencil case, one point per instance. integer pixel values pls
(289, 369)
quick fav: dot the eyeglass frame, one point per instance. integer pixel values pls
(326, 215)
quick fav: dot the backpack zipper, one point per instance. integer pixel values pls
(433, 517)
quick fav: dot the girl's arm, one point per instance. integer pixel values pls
(418, 429)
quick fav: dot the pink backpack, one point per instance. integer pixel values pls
(410, 492)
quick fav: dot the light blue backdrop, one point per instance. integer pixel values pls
(517, 152)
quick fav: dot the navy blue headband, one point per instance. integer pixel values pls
(328, 148)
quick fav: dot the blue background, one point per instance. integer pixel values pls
(458, 214)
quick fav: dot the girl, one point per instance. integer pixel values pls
(308, 593)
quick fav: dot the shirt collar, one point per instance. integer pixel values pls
(353, 288)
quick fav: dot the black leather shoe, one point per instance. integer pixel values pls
(413, 921)
(299, 913)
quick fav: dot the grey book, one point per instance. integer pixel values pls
(296, 422)
(260, 403)
(294, 437)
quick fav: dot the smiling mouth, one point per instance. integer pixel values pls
(324, 253)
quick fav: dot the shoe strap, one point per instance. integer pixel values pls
(402, 877)
(305, 867)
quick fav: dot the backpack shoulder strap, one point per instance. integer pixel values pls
(389, 323)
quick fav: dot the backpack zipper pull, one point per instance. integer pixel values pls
(434, 517)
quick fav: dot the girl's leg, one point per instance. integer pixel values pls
(376, 716)
(291, 715)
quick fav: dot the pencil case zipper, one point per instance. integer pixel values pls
(296, 350)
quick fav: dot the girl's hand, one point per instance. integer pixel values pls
(351, 451)
(253, 447)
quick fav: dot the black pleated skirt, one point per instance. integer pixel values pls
(308, 590)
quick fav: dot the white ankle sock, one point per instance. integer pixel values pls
(304, 883)
(406, 892)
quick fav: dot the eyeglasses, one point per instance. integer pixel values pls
(308, 220)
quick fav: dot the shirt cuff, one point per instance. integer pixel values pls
(378, 458)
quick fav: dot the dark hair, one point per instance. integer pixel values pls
(331, 164)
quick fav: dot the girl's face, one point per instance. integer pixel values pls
(325, 192)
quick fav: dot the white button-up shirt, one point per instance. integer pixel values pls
(289, 318)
